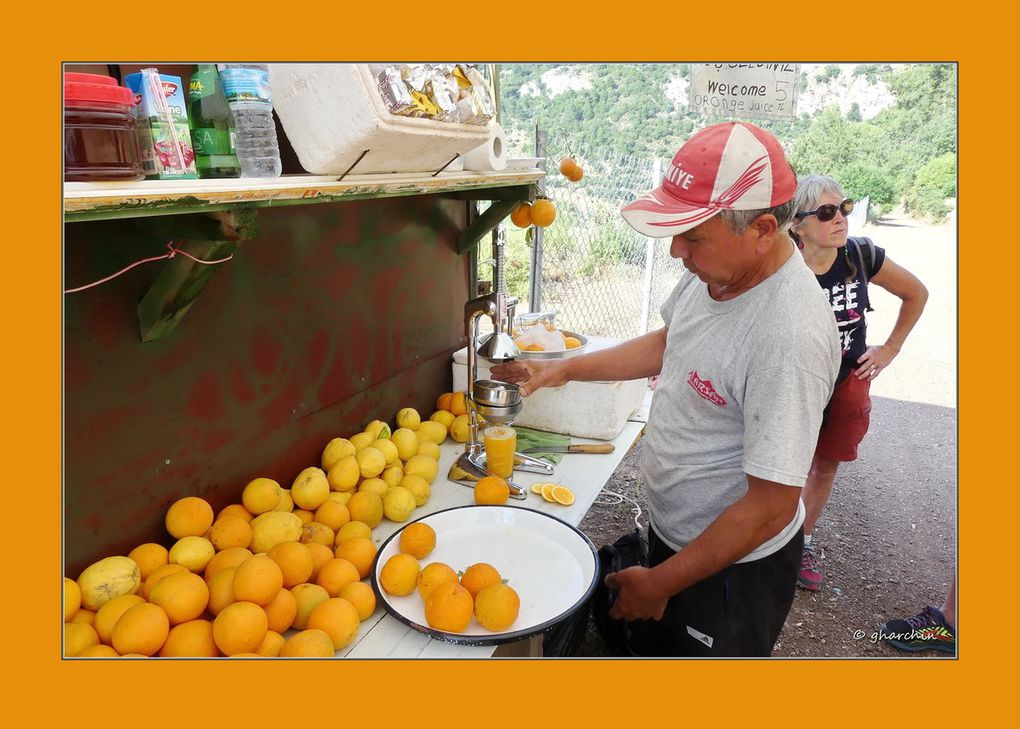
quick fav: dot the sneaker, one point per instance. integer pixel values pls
(810, 575)
(928, 630)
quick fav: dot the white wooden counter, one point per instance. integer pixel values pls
(383, 636)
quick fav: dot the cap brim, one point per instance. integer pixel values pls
(660, 215)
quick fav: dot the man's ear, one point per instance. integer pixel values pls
(765, 229)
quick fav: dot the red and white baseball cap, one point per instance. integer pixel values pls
(728, 166)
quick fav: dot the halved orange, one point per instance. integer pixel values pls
(562, 495)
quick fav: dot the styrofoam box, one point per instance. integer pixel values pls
(596, 410)
(332, 112)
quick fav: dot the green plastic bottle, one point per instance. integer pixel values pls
(212, 125)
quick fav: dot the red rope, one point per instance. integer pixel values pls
(173, 252)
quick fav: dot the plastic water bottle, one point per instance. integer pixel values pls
(247, 88)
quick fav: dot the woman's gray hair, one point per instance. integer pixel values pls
(811, 190)
(738, 220)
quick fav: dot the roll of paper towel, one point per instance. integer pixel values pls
(491, 156)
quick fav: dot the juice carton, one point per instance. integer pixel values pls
(161, 123)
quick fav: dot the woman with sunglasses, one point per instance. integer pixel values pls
(820, 230)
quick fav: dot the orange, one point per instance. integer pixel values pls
(521, 215)
(443, 401)
(333, 514)
(304, 515)
(338, 618)
(366, 507)
(84, 615)
(449, 608)
(272, 644)
(308, 644)
(562, 495)
(433, 575)
(458, 404)
(183, 597)
(158, 574)
(193, 639)
(315, 531)
(543, 212)
(230, 531)
(240, 628)
(571, 342)
(359, 551)
(149, 557)
(335, 450)
(280, 613)
(567, 165)
(229, 557)
(352, 529)
(491, 490)
(99, 651)
(221, 590)
(497, 607)
(577, 175)
(108, 615)
(399, 576)
(257, 580)
(418, 540)
(479, 576)
(192, 552)
(189, 517)
(78, 637)
(261, 495)
(295, 562)
(337, 574)
(361, 596)
(308, 597)
(321, 554)
(143, 629)
(72, 598)
(237, 510)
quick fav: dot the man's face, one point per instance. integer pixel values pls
(713, 252)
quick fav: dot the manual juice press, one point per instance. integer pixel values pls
(497, 402)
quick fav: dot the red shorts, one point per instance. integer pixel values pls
(846, 420)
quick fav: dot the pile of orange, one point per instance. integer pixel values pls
(554, 493)
(450, 599)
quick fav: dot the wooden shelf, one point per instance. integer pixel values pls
(106, 200)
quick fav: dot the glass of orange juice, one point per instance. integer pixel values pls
(500, 444)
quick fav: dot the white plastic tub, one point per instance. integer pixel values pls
(332, 112)
(582, 409)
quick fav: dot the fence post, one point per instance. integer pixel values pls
(646, 303)
(535, 282)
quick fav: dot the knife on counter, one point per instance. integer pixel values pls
(576, 448)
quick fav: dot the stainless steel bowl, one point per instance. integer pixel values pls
(561, 354)
(496, 393)
(499, 415)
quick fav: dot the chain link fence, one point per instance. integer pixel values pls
(593, 270)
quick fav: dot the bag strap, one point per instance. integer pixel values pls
(862, 244)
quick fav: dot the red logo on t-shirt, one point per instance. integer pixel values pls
(704, 388)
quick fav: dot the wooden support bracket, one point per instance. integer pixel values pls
(484, 224)
(210, 236)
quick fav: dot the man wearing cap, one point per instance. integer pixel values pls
(746, 364)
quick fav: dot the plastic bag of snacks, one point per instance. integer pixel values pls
(442, 91)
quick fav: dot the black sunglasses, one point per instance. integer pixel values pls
(826, 213)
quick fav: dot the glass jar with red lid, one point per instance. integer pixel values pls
(99, 130)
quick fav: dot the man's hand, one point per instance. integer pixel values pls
(532, 374)
(639, 597)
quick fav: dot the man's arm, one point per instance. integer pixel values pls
(762, 513)
(631, 360)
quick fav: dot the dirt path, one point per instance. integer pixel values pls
(888, 534)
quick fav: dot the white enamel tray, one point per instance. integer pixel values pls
(552, 566)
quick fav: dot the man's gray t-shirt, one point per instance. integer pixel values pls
(742, 389)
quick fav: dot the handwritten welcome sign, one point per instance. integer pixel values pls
(756, 90)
